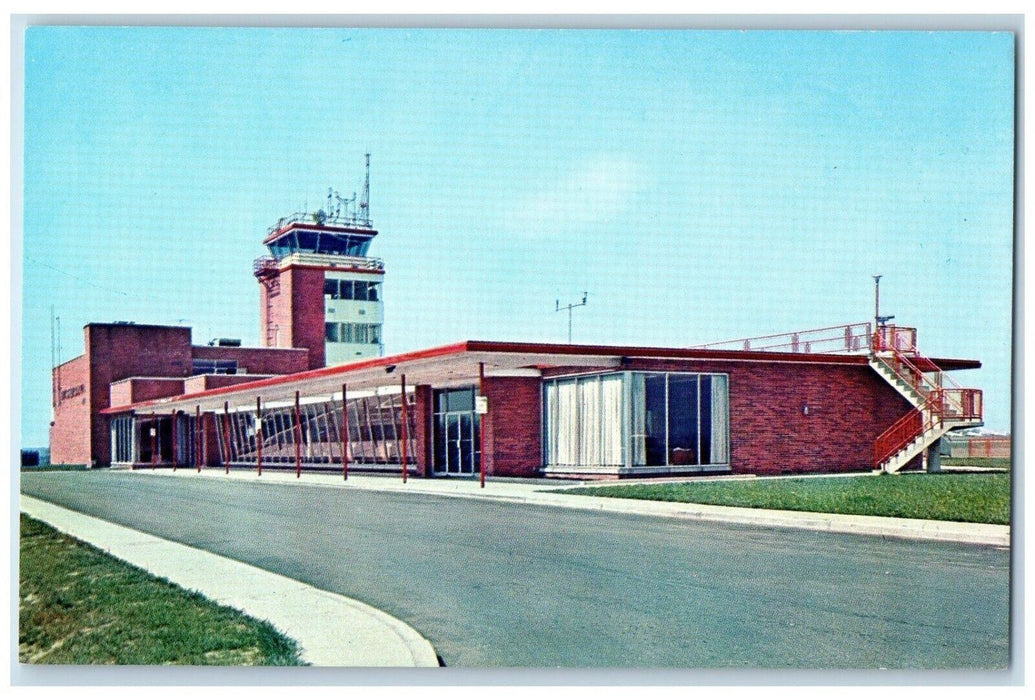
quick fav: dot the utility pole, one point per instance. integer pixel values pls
(569, 307)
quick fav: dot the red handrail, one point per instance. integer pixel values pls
(952, 400)
(939, 403)
(904, 431)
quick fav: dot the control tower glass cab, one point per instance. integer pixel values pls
(319, 288)
(298, 237)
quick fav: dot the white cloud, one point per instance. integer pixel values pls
(601, 190)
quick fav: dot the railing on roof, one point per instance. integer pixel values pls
(899, 338)
(264, 265)
(850, 338)
(333, 260)
(267, 265)
(348, 220)
(895, 347)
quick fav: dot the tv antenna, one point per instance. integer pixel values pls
(569, 307)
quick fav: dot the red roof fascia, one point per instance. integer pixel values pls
(455, 348)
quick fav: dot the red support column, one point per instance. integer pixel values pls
(405, 431)
(258, 433)
(298, 437)
(198, 430)
(481, 426)
(344, 436)
(154, 440)
(226, 435)
(173, 433)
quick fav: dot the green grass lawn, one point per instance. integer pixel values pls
(976, 498)
(78, 605)
(990, 462)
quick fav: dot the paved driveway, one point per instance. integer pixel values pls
(499, 584)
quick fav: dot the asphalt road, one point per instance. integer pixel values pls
(496, 584)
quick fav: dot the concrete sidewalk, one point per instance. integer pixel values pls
(545, 493)
(331, 629)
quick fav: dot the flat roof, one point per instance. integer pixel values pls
(134, 324)
(459, 363)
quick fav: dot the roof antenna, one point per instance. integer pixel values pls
(569, 307)
(364, 204)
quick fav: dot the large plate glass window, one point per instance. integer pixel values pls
(584, 421)
(679, 419)
(668, 419)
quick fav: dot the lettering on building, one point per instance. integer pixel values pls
(72, 392)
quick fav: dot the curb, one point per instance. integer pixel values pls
(902, 528)
(867, 525)
(331, 629)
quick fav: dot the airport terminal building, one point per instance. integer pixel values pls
(320, 395)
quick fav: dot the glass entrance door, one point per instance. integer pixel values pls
(456, 433)
(459, 444)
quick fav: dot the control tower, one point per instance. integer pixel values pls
(318, 288)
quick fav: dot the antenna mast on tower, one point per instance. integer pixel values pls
(364, 204)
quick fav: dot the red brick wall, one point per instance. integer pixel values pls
(298, 311)
(513, 426)
(70, 430)
(307, 313)
(277, 320)
(119, 351)
(424, 409)
(127, 391)
(849, 406)
(210, 424)
(268, 293)
(113, 352)
(257, 360)
(201, 382)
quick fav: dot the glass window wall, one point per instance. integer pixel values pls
(363, 333)
(669, 419)
(352, 290)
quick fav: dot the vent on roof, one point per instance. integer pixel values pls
(225, 342)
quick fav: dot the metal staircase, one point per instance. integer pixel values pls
(939, 404)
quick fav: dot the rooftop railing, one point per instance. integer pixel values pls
(267, 264)
(314, 219)
(850, 338)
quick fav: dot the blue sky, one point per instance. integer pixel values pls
(700, 185)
